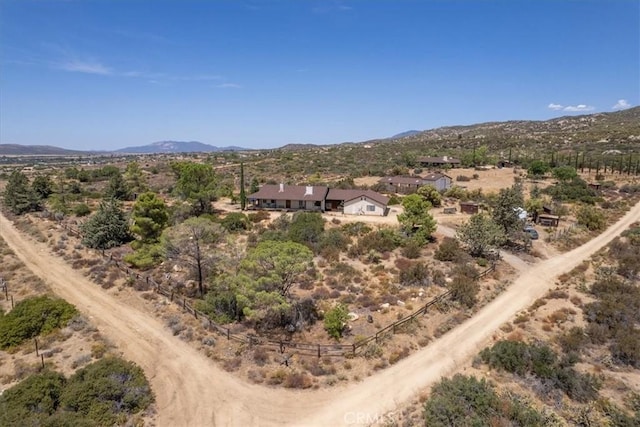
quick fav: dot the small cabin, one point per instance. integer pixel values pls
(547, 220)
(595, 185)
(469, 207)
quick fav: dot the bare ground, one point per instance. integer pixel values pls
(191, 390)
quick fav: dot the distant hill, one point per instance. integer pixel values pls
(176, 147)
(39, 150)
(405, 134)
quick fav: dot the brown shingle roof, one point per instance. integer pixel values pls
(347, 195)
(290, 192)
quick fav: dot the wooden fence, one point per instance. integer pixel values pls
(281, 346)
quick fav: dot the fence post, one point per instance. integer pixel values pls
(171, 296)
(184, 303)
(42, 358)
(6, 291)
(228, 334)
(12, 302)
(36, 341)
(354, 349)
(318, 351)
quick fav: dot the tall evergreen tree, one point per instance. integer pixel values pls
(150, 217)
(19, 196)
(243, 195)
(107, 228)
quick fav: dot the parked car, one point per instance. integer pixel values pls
(532, 232)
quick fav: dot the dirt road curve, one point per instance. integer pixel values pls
(192, 391)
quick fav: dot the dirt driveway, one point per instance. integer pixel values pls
(192, 391)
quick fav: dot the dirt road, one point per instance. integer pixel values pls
(192, 391)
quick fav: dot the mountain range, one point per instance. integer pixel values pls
(176, 147)
(597, 127)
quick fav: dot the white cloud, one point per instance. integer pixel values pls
(578, 108)
(229, 86)
(555, 107)
(88, 67)
(621, 105)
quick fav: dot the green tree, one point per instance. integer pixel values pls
(255, 186)
(430, 194)
(196, 184)
(236, 221)
(464, 286)
(107, 228)
(42, 186)
(481, 234)
(135, 178)
(335, 320)
(190, 243)
(118, 188)
(591, 217)
(416, 220)
(564, 173)
(538, 168)
(19, 197)
(150, 216)
(534, 205)
(306, 228)
(507, 209)
(277, 265)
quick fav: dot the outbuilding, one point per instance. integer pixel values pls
(469, 207)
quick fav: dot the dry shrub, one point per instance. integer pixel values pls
(537, 304)
(398, 355)
(507, 327)
(298, 380)
(255, 376)
(277, 377)
(231, 365)
(321, 293)
(521, 318)
(317, 368)
(575, 300)
(260, 356)
(515, 336)
(560, 316)
(557, 294)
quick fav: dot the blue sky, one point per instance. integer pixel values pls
(109, 74)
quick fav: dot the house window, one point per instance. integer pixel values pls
(317, 204)
(371, 208)
(301, 204)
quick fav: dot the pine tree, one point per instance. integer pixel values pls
(107, 228)
(19, 196)
(243, 195)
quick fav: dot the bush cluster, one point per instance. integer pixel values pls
(539, 360)
(467, 401)
(104, 393)
(32, 317)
